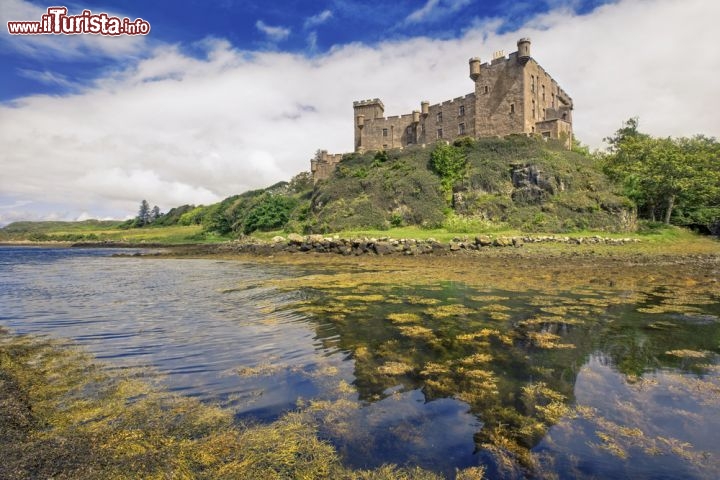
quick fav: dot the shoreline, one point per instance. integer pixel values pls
(538, 248)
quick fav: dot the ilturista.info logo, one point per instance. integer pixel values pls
(57, 21)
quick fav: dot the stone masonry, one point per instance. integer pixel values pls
(512, 95)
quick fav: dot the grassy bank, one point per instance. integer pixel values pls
(93, 231)
(63, 416)
(653, 239)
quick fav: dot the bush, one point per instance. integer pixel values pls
(269, 213)
(450, 163)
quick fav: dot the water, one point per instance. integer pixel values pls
(561, 376)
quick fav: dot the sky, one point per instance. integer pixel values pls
(223, 96)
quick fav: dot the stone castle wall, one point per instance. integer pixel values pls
(323, 164)
(512, 95)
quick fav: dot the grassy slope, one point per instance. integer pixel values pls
(103, 231)
(516, 182)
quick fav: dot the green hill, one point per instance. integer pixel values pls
(516, 182)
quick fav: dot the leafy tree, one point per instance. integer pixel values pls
(450, 163)
(216, 219)
(270, 212)
(193, 216)
(143, 216)
(664, 173)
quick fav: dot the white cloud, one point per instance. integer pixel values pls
(176, 129)
(47, 77)
(312, 39)
(275, 34)
(434, 9)
(422, 12)
(318, 19)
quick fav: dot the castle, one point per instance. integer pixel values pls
(513, 95)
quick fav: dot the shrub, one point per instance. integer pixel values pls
(269, 213)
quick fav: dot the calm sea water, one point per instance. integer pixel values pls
(401, 392)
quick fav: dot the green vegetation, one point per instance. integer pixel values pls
(450, 163)
(677, 177)
(517, 184)
(101, 231)
(474, 185)
(270, 212)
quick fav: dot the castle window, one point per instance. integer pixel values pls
(553, 100)
(487, 89)
(439, 117)
(532, 83)
(546, 134)
(385, 132)
(543, 93)
(409, 131)
(461, 110)
(512, 108)
(385, 146)
(461, 129)
(439, 133)
(533, 108)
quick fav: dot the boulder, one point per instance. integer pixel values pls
(502, 242)
(383, 248)
(315, 238)
(295, 239)
(483, 240)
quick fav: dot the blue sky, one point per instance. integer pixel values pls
(227, 95)
(300, 26)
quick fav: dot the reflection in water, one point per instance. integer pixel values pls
(613, 374)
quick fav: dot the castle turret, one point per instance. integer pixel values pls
(425, 108)
(475, 68)
(365, 111)
(523, 50)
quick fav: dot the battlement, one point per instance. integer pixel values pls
(454, 101)
(396, 117)
(363, 103)
(323, 164)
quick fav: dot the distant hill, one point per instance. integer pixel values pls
(38, 231)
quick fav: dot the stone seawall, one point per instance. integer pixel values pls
(391, 246)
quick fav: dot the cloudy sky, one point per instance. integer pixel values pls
(227, 95)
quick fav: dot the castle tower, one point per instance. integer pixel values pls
(523, 50)
(475, 68)
(365, 110)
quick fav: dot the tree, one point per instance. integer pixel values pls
(450, 163)
(143, 216)
(270, 212)
(155, 214)
(664, 173)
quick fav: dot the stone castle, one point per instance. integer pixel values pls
(513, 95)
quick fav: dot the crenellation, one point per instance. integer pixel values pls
(512, 94)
